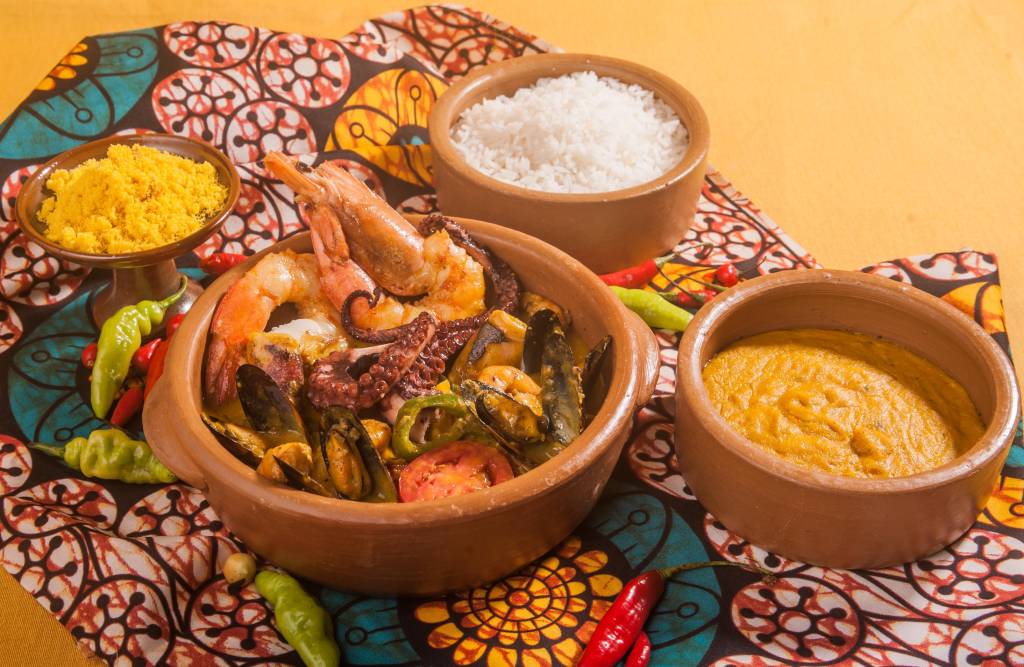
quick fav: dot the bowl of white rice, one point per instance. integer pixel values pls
(600, 157)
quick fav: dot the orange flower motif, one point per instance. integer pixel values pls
(66, 69)
(385, 120)
(1003, 507)
(542, 615)
(674, 276)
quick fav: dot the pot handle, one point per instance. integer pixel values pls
(160, 423)
(648, 356)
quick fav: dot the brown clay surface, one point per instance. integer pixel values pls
(814, 516)
(606, 231)
(418, 548)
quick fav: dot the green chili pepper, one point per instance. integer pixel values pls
(653, 309)
(402, 443)
(120, 336)
(304, 623)
(111, 454)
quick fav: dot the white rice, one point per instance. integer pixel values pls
(574, 133)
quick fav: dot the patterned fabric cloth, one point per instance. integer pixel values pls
(134, 572)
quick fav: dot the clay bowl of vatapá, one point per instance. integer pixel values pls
(813, 516)
(429, 547)
(607, 230)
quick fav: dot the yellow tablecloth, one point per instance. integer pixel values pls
(869, 131)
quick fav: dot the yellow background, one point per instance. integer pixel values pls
(868, 130)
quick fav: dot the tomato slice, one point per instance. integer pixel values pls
(454, 469)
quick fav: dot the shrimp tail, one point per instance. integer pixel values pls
(221, 366)
(340, 276)
(377, 237)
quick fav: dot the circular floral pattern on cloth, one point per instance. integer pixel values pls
(28, 275)
(198, 103)
(305, 71)
(981, 569)
(210, 44)
(997, 639)
(550, 609)
(798, 619)
(135, 571)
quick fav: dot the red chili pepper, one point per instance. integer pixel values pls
(636, 276)
(89, 355)
(686, 300)
(622, 624)
(727, 275)
(127, 406)
(705, 295)
(156, 366)
(640, 654)
(144, 356)
(219, 262)
(173, 323)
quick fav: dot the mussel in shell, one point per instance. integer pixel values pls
(245, 443)
(547, 352)
(538, 330)
(508, 417)
(512, 425)
(266, 406)
(278, 355)
(498, 342)
(594, 379)
(355, 467)
(533, 303)
(292, 473)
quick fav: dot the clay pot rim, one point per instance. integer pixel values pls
(188, 147)
(453, 102)
(999, 431)
(629, 383)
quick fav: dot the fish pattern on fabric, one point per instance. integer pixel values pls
(134, 572)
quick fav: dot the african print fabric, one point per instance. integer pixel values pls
(134, 572)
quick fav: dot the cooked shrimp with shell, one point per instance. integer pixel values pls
(413, 366)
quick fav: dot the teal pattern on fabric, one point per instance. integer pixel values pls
(1016, 454)
(368, 629)
(46, 373)
(49, 387)
(651, 535)
(117, 75)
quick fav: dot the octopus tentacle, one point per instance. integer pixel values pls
(331, 383)
(426, 371)
(369, 335)
(503, 279)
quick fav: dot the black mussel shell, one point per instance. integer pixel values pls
(486, 335)
(594, 381)
(244, 443)
(561, 395)
(509, 418)
(300, 480)
(266, 406)
(341, 428)
(538, 330)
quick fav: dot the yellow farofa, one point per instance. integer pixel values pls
(134, 199)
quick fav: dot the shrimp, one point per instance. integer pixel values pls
(358, 239)
(278, 278)
(516, 383)
(456, 289)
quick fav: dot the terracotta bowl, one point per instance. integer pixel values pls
(148, 274)
(426, 547)
(606, 231)
(813, 516)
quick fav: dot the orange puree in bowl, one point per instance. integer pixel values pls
(841, 402)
